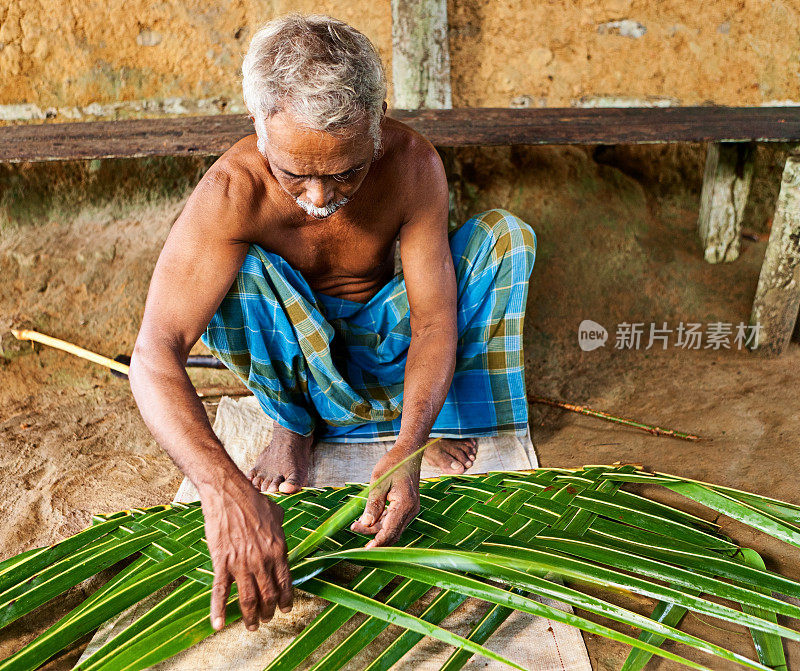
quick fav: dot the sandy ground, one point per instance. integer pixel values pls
(745, 411)
(617, 242)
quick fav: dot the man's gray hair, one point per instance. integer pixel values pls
(324, 72)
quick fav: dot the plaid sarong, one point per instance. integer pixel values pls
(314, 361)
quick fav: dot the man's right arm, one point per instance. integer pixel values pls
(196, 267)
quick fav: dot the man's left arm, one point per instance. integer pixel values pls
(431, 289)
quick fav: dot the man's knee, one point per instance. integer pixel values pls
(507, 231)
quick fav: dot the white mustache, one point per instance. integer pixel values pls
(321, 212)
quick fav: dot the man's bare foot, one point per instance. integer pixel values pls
(283, 465)
(452, 456)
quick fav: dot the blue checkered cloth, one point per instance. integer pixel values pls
(336, 367)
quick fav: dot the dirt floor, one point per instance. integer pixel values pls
(617, 242)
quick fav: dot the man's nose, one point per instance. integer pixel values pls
(318, 193)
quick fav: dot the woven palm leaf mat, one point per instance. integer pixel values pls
(533, 642)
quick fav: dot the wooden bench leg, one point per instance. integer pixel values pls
(778, 294)
(726, 184)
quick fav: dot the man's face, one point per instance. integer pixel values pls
(319, 170)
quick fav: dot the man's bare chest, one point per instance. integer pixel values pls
(337, 255)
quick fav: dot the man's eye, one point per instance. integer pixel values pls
(344, 176)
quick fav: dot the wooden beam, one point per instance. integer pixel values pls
(213, 135)
(726, 185)
(777, 301)
(181, 136)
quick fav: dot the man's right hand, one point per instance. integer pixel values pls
(204, 251)
(246, 542)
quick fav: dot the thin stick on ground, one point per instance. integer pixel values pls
(35, 336)
(94, 357)
(655, 430)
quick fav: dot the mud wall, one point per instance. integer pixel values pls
(68, 59)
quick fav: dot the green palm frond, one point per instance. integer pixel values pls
(503, 537)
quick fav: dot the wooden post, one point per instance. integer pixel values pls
(420, 55)
(726, 184)
(777, 299)
(421, 73)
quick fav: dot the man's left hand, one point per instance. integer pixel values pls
(394, 503)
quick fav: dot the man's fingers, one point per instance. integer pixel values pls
(364, 529)
(395, 522)
(372, 529)
(268, 594)
(248, 599)
(220, 590)
(374, 508)
(283, 580)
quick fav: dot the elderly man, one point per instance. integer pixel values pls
(282, 259)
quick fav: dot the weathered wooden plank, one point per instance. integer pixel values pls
(777, 301)
(726, 185)
(445, 128)
(621, 125)
(122, 139)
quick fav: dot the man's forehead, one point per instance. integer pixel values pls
(303, 150)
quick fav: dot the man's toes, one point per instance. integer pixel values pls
(290, 486)
(457, 453)
(271, 484)
(470, 447)
(438, 458)
(453, 465)
(446, 462)
(470, 459)
(256, 479)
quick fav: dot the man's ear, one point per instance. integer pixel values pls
(252, 119)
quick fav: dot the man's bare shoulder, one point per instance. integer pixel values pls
(238, 173)
(415, 164)
(233, 196)
(402, 143)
